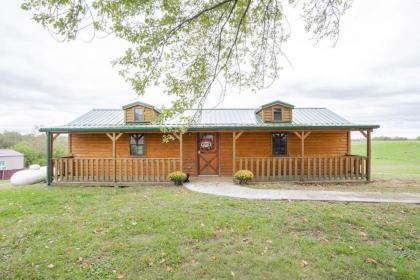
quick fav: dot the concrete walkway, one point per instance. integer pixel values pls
(232, 190)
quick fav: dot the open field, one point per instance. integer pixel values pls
(392, 158)
(172, 233)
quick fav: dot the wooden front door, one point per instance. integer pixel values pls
(208, 154)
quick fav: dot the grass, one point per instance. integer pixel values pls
(411, 185)
(392, 158)
(171, 233)
(168, 232)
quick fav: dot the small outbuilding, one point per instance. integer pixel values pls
(10, 162)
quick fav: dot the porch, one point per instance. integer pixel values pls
(114, 169)
(132, 170)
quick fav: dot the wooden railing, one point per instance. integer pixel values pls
(325, 168)
(109, 170)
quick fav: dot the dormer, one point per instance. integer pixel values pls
(276, 111)
(139, 112)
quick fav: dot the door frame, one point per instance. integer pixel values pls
(217, 152)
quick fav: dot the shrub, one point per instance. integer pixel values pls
(177, 177)
(243, 176)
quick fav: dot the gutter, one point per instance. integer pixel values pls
(205, 128)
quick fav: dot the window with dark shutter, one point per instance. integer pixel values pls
(279, 144)
(136, 144)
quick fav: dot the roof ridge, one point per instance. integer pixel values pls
(312, 108)
(116, 109)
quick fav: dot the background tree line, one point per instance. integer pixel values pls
(32, 145)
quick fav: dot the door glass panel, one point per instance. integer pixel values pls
(207, 143)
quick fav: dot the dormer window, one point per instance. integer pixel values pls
(138, 114)
(277, 115)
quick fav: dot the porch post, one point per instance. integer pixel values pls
(302, 155)
(349, 142)
(180, 152)
(114, 157)
(234, 152)
(179, 137)
(114, 137)
(302, 136)
(235, 137)
(48, 152)
(369, 155)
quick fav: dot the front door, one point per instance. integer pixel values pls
(208, 154)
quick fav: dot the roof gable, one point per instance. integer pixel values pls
(276, 102)
(9, 153)
(139, 103)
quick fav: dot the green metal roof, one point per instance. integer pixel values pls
(102, 120)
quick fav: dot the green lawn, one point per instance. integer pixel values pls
(168, 232)
(171, 233)
(392, 158)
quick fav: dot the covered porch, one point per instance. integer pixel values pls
(131, 170)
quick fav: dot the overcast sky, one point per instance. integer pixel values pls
(371, 76)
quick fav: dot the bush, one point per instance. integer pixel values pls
(177, 177)
(243, 176)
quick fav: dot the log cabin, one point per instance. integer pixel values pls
(276, 141)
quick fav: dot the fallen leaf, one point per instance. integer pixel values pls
(87, 265)
(303, 263)
(168, 268)
(370, 261)
(364, 234)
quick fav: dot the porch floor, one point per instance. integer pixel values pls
(223, 186)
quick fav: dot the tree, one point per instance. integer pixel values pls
(9, 138)
(193, 47)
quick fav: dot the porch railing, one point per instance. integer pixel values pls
(323, 168)
(108, 171)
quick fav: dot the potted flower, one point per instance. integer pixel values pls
(243, 176)
(177, 177)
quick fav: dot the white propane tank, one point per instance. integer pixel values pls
(35, 174)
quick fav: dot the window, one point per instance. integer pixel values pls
(2, 165)
(279, 144)
(277, 115)
(207, 143)
(136, 144)
(138, 115)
